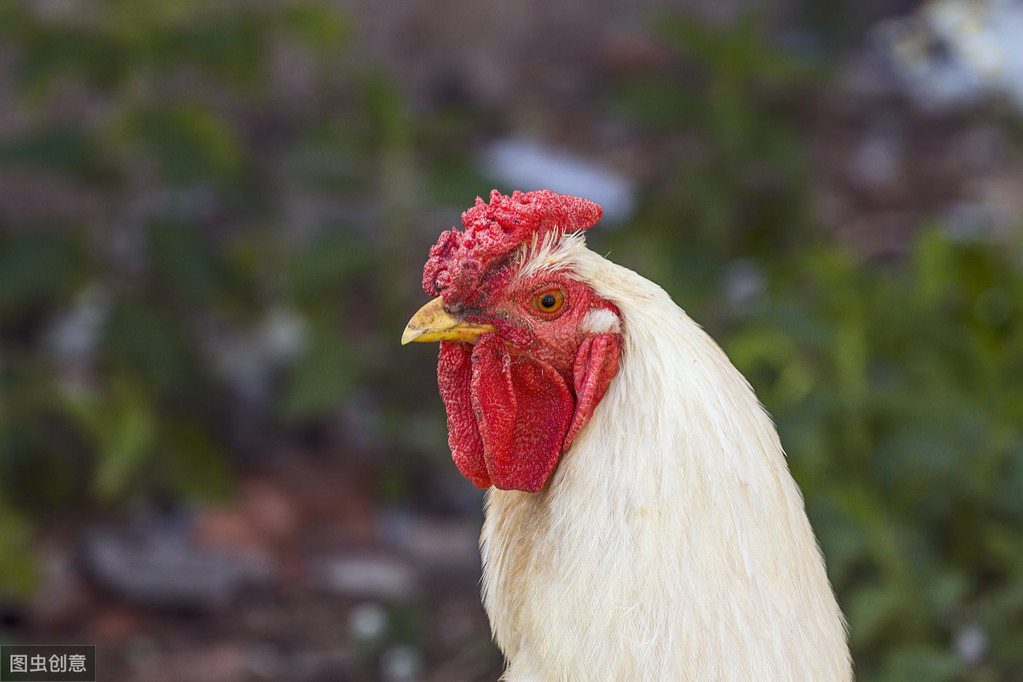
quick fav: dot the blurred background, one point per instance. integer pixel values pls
(216, 461)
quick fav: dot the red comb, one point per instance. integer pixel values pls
(492, 232)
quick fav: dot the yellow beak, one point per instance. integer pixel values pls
(433, 323)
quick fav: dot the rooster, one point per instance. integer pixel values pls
(641, 522)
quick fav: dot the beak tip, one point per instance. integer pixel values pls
(433, 323)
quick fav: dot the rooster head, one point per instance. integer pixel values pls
(527, 348)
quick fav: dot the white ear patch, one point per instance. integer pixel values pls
(600, 321)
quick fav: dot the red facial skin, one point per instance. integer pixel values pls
(518, 397)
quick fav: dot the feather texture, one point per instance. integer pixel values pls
(671, 542)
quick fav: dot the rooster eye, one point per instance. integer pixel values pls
(549, 301)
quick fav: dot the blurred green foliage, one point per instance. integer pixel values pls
(897, 389)
(244, 264)
(898, 395)
(144, 327)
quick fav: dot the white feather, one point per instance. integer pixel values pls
(600, 321)
(671, 543)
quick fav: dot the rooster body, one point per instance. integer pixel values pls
(668, 541)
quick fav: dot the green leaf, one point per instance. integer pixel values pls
(144, 341)
(192, 464)
(230, 45)
(1008, 493)
(50, 53)
(920, 662)
(872, 611)
(654, 104)
(318, 26)
(61, 149)
(37, 267)
(187, 262)
(328, 265)
(321, 379)
(189, 141)
(736, 51)
(18, 569)
(122, 427)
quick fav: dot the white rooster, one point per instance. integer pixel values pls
(641, 522)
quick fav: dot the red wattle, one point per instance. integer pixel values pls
(510, 418)
(454, 376)
(595, 365)
(523, 408)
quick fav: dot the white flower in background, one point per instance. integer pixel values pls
(73, 335)
(401, 662)
(971, 644)
(957, 52)
(368, 621)
(248, 359)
